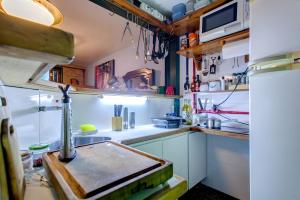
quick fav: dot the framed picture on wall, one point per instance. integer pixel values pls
(103, 73)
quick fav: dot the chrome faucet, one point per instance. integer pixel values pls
(67, 149)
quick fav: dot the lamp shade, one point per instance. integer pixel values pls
(39, 11)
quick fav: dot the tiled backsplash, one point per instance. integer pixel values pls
(44, 127)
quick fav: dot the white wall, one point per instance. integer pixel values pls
(91, 109)
(227, 159)
(35, 127)
(125, 61)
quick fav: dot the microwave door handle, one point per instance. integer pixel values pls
(232, 26)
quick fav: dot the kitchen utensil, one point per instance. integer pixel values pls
(167, 122)
(210, 123)
(200, 103)
(205, 66)
(148, 54)
(204, 87)
(118, 110)
(217, 123)
(116, 123)
(214, 86)
(12, 182)
(127, 28)
(125, 118)
(213, 66)
(67, 152)
(145, 45)
(132, 120)
(187, 84)
(154, 55)
(205, 103)
(137, 53)
(114, 171)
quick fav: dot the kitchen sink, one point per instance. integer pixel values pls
(80, 140)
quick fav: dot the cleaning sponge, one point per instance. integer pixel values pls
(87, 128)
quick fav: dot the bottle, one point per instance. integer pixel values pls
(187, 111)
(67, 151)
(223, 83)
(132, 120)
(125, 118)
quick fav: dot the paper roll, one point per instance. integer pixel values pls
(235, 49)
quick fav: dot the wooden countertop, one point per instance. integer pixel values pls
(240, 136)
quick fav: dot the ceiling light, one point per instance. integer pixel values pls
(39, 11)
(126, 100)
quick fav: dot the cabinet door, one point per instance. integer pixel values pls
(197, 158)
(153, 148)
(73, 76)
(175, 149)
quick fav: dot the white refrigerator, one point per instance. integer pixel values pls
(275, 100)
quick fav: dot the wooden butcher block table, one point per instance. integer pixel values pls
(106, 170)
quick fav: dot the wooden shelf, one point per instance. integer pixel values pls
(240, 136)
(190, 23)
(91, 91)
(225, 91)
(139, 12)
(26, 47)
(213, 46)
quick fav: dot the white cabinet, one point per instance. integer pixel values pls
(151, 147)
(175, 149)
(197, 157)
(187, 152)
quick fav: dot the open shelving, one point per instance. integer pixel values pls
(92, 91)
(191, 21)
(212, 46)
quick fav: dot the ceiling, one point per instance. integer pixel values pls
(97, 33)
(164, 6)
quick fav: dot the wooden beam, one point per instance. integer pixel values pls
(28, 40)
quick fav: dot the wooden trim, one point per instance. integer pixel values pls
(44, 68)
(239, 136)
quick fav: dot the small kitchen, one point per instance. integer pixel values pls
(148, 99)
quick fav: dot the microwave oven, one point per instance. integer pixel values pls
(225, 20)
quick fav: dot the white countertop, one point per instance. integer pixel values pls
(139, 134)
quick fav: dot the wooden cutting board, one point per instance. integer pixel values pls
(12, 182)
(105, 169)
